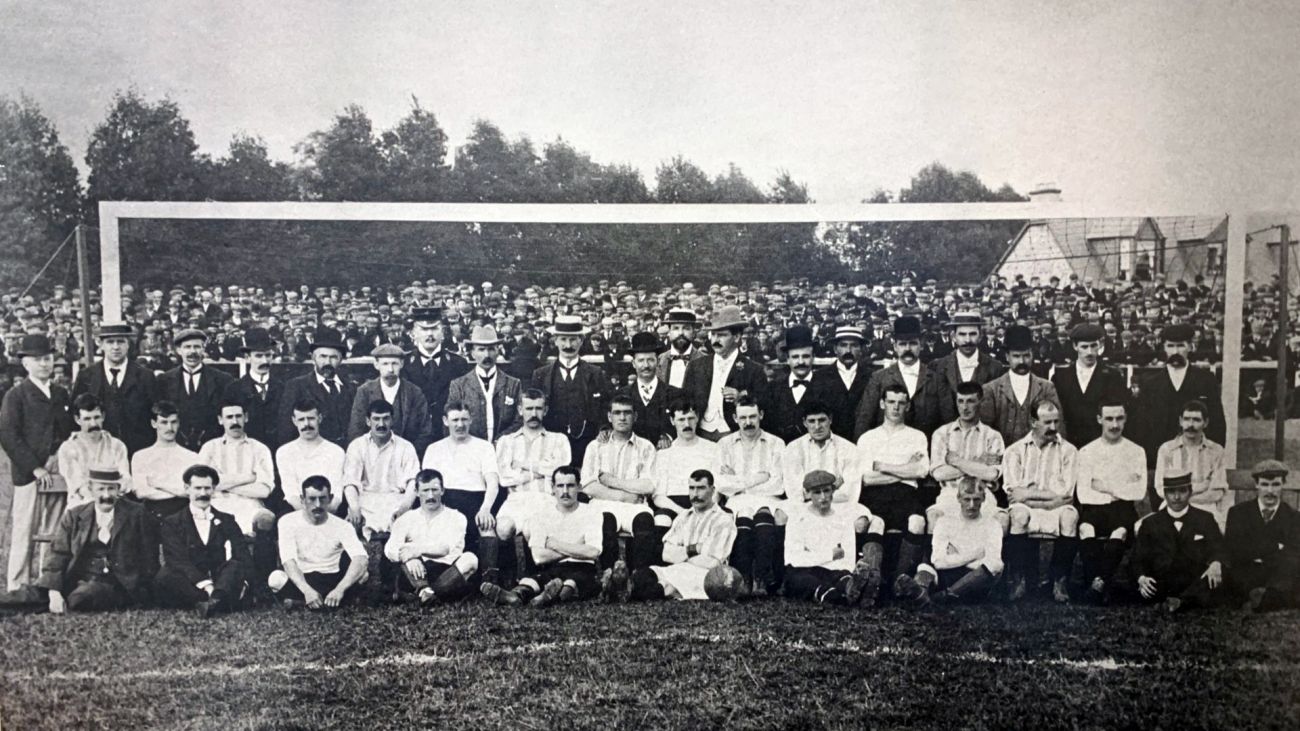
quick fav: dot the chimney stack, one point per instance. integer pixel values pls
(1045, 193)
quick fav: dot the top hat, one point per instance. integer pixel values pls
(327, 337)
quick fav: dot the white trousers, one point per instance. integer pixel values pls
(30, 515)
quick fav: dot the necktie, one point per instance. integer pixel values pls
(189, 383)
(114, 380)
(1269, 516)
(261, 391)
(487, 382)
(568, 372)
(681, 357)
(332, 388)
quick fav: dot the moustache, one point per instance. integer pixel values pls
(1177, 360)
(95, 429)
(848, 359)
(1020, 369)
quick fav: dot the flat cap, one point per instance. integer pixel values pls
(188, 334)
(1269, 468)
(387, 350)
(817, 479)
(1087, 333)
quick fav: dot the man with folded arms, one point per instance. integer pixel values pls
(966, 554)
(158, 471)
(309, 454)
(429, 545)
(205, 555)
(90, 446)
(376, 469)
(820, 448)
(700, 538)
(1112, 477)
(619, 474)
(750, 473)
(526, 458)
(966, 447)
(1040, 475)
(1192, 452)
(687, 454)
(324, 561)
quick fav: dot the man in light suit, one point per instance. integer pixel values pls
(205, 554)
(716, 382)
(650, 394)
(35, 419)
(1009, 398)
(411, 419)
(682, 326)
(575, 390)
(196, 390)
(840, 385)
(125, 389)
(929, 405)
(324, 386)
(967, 362)
(490, 394)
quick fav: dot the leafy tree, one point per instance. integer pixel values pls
(415, 157)
(145, 151)
(680, 181)
(247, 173)
(40, 195)
(344, 162)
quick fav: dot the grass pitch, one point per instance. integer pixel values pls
(770, 664)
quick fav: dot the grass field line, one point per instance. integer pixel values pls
(421, 659)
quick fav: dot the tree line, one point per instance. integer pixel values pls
(146, 150)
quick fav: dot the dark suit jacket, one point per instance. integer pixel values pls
(987, 368)
(930, 407)
(1000, 410)
(843, 402)
(784, 417)
(188, 556)
(666, 359)
(1249, 539)
(434, 380)
(595, 390)
(746, 376)
(1079, 408)
(506, 392)
(1160, 407)
(336, 410)
(1164, 551)
(653, 419)
(198, 413)
(126, 408)
(411, 418)
(261, 415)
(132, 548)
(32, 426)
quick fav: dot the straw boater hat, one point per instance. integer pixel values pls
(115, 330)
(727, 318)
(681, 316)
(966, 318)
(568, 325)
(486, 335)
(848, 332)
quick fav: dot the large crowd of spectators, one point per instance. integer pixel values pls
(1132, 314)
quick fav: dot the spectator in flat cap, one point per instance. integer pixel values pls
(259, 391)
(1263, 540)
(928, 405)
(841, 384)
(1193, 453)
(433, 365)
(411, 418)
(104, 554)
(1008, 398)
(325, 386)
(649, 394)
(196, 389)
(1179, 555)
(125, 389)
(1085, 384)
(967, 361)
(1161, 395)
(682, 328)
(491, 395)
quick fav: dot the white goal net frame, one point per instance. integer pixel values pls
(111, 213)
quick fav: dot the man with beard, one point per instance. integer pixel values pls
(490, 394)
(257, 391)
(966, 558)
(196, 390)
(1263, 541)
(308, 455)
(429, 545)
(205, 555)
(104, 554)
(526, 458)
(1162, 394)
(821, 449)
(1194, 454)
(1112, 477)
(928, 403)
(840, 385)
(784, 418)
(575, 390)
(649, 394)
(124, 389)
(411, 420)
(158, 471)
(1179, 554)
(1085, 385)
(1039, 473)
(323, 385)
(717, 382)
(682, 327)
(324, 561)
(90, 447)
(700, 538)
(967, 362)
(750, 473)
(673, 466)
(1008, 399)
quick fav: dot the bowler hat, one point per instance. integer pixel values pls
(327, 337)
(1019, 337)
(645, 342)
(798, 336)
(907, 326)
(257, 340)
(1177, 334)
(35, 346)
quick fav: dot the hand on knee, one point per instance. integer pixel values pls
(466, 564)
(1086, 531)
(916, 525)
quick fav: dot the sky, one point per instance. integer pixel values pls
(1188, 106)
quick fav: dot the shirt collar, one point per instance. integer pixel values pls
(489, 374)
(323, 380)
(912, 370)
(839, 365)
(201, 514)
(1180, 514)
(971, 361)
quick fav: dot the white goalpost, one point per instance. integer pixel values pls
(111, 213)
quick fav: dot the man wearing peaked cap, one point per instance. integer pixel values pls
(967, 361)
(716, 382)
(823, 541)
(841, 384)
(491, 395)
(929, 405)
(1263, 540)
(575, 390)
(682, 327)
(258, 391)
(1086, 383)
(1009, 398)
(1179, 556)
(34, 421)
(326, 386)
(195, 388)
(649, 394)
(431, 366)
(1161, 395)
(411, 418)
(125, 389)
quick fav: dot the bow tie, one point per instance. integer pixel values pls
(680, 357)
(800, 382)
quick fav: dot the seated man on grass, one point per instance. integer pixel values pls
(565, 543)
(429, 545)
(966, 554)
(822, 542)
(324, 562)
(698, 540)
